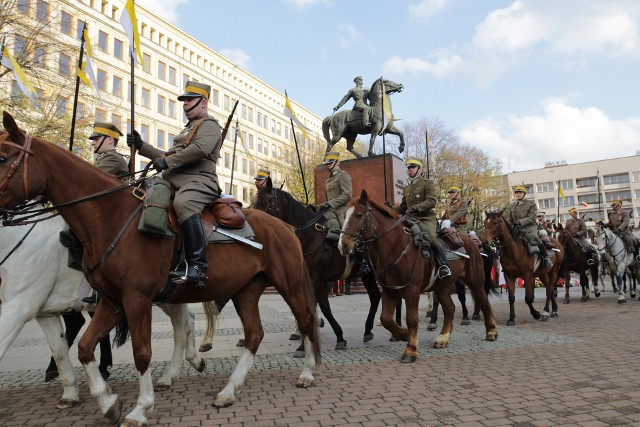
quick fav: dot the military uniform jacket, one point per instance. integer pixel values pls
(193, 164)
(421, 194)
(525, 211)
(112, 163)
(456, 210)
(576, 227)
(619, 221)
(338, 191)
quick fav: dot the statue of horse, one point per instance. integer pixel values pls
(130, 269)
(347, 124)
(621, 260)
(404, 273)
(36, 282)
(516, 262)
(575, 260)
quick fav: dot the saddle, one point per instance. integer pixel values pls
(449, 236)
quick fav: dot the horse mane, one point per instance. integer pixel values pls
(384, 210)
(295, 211)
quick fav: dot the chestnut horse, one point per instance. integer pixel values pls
(130, 269)
(516, 262)
(404, 273)
(576, 261)
(323, 260)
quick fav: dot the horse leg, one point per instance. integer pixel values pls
(52, 328)
(429, 296)
(325, 308)
(412, 300)
(369, 282)
(372, 140)
(433, 321)
(529, 289)
(511, 289)
(350, 142)
(390, 301)
(566, 276)
(462, 297)
(593, 271)
(620, 273)
(106, 358)
(73, 323)
(448, 310)
(584, 284)
(481, 301)
(104, 320)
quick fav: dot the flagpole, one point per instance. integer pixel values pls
(2, 48)
(295, 141)
(233, 158)
(426, 137)
(132, 150)
(384, 145)
(75, 96)
(558, 202)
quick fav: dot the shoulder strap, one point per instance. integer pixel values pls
(195, 130)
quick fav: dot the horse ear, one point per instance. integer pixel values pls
(364, 197)
(269, 185)
(12, 128)
(501, 212)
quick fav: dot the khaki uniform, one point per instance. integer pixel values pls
(619, 223)
(457, 213)
(420, 193)
(578, 230)
(192, 168)
(112, 163)
(338, 193)
(526, 211)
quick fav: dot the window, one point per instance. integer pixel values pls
(227, 161)
(566, 184)
(144, 132)
(100, 115)
(170, 138)
(620, 178)
(161, 104)
(250, 143)
(23, 6)
(40, 55)
(279, 128)
(264, 121)
(259, 119)
(243, 111)
(103, 9)
(81, 111)
(135, 91)
(116, 120)
(265, 148)
(185, 79)
(637, 194)
(160, 141)
(591, 181)
(286, 132)
(636, 176)
(118, 48)
(102, 41)
(146, 58)
(16, 92)
(114, 12)
(245, 193)
(20, 46)
(162, 70)
(590, 199)
(566, 202)
(145, 97)
(528, 187)
(544, 187)
(79, 29)
(64, 64)
(116, 90)
(546, 203)
(42, 11)
(245, 166)
(172, 75)
(172, 108)
(250, 114)
(65, 23)
(259, 145)
(215, 95)
(226, 102)
(610, 196)
(102, 80)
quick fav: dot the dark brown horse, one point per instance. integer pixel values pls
(324, 261)
(576, 261)
(516, 262)
(130, 270)
(404, 273)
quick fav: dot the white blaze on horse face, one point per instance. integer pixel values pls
(346, 221)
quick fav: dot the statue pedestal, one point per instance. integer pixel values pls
(367, 173)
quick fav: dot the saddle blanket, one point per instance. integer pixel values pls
(456, 254)
(246, 232)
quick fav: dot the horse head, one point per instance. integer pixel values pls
(389, 88)
(494, 225)
(355, 224)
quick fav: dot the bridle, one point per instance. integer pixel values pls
(495, 237)
(25, 151)
(272, 206)
(607, 244)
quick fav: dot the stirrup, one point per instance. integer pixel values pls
(590, 261)
(444, 271)
(546, 262)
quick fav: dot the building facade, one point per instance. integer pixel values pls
(590, 187)
(172, 57)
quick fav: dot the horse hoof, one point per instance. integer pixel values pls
(240, 343)
(393, 339)
(205, 347)
(341, 345)
(440, 344)
(408, 359)
(431, 326)
(132, 423)
(294, 337)
(465, 322)
(115, 412)
(475, 317)
(566, 301)
(202, 366)
(544, 318)
(597, 294)
(223, 401)
(367, 337)
(66, 403)
(622, 301)
(161, 386)
(322, 323)
(537, 315)
(492, 336)
(298, 354)
(511, 323)
(554, 314)
(304, 382)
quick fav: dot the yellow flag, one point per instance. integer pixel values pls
(23, 82)
(561, 193)
(130, 24)
(86, 69)
(288, 111)
(244, 146)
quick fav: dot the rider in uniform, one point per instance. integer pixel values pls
(338, 193)
(260, 179)
(419, 201)
(578, 230)
(190, 167)
(360, 95)
(105, 137)
(457, 210)
(522, 215)
(619, 224)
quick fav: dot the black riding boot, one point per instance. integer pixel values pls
(444, 271)
(637, 253)
(195, 248)
(546, 261)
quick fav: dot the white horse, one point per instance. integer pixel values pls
(36, 282)
(621, 260)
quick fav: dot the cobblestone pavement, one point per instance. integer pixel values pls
(575, 370)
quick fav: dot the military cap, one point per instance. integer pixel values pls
(616, 202)
(520, 188)
(598, 221)
(195, 89)
(454, 189)
(331, 157)
(105, 129)
(540, 213)
(573, 210)
(412, 161)
(262, 174)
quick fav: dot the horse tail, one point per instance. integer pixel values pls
(309, 293)
(490, 285)
(326, 125)
(211, 312)
(122, 332)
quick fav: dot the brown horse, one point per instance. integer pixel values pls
(516, 262)
(576, 261)
(130, 270)
(404, 273)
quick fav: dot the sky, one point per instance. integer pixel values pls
(526, 81)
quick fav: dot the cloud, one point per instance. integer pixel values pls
(348, 36)
(238, 56)
(442, 66)
(562, 132)
(307, 4)
(426, 9)
(165, 9)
